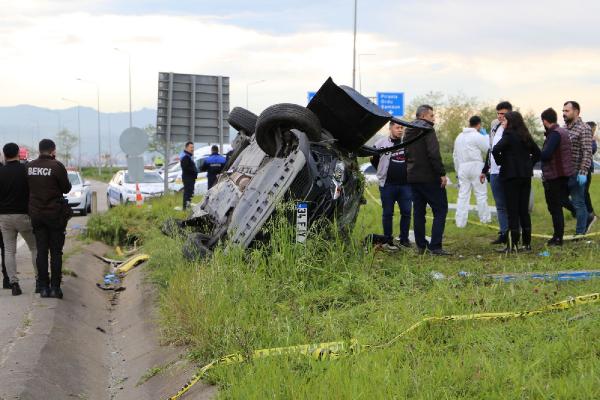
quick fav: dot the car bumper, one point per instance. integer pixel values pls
(76, 203)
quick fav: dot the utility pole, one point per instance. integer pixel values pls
(354, 48)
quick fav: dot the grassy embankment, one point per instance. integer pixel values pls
(92, 173)
(285, 294)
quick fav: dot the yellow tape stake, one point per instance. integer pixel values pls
(332, 350)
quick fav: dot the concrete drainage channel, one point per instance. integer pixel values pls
(96, 344)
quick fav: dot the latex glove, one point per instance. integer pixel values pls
(582, 179)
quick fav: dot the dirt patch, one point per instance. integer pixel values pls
(96, 344)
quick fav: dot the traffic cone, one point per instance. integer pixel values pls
(139, 200)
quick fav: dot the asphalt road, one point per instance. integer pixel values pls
(28, 317)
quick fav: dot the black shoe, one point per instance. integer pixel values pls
(16, 289)
(56, 293)
(38, 286)
(5, 283)
(554, 242)
(44, 291)
(524, 249)
(502, 237)
(440, 252)
(407, 244)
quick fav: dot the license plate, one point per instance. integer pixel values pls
(301, 222)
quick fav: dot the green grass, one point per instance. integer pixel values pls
(283, 293)
(92, 173)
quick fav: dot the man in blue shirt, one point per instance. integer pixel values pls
(213, 165)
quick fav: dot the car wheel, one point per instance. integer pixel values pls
(84, 211)
(89, 207)
(240, 143)
(109, 204)
(242, 120)
(274, 121)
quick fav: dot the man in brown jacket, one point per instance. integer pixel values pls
(49, 213)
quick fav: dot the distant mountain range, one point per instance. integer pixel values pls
(27, 125)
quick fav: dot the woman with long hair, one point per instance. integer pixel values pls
(516, 153)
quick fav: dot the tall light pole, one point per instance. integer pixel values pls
(354, 47)
(250, 84)
(360, 69)
(78, 131)
(129, 67)
(99, 135)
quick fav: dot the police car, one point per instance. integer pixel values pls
(80, 196)
(121, 188)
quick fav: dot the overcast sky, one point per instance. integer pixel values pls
(535, 53)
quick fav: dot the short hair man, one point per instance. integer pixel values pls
(427, 176)
(14, 199)
(557, 168)
(49, 211)
(493, 169)
(581, 149)
(189, 172)
(213, 165)
(469, 148)
(393, 186)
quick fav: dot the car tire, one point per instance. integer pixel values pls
(89, 207)
(108, 203)
(84, 211)
(242, 120)
(241, 142)
(278, 118)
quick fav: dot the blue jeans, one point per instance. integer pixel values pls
(436, 197)
(500, 199)
(390, 195)
(577, 193)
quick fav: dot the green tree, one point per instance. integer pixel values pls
(65, 142)
(157, 143)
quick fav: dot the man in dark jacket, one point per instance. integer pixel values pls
(213, 165)
(557, 167)
(49, 212)
(427, 176)
(189, 173)
(14, 198)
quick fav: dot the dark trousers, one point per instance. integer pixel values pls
(390, 195)
(4, 273)
(49, 237)
(432, 194)
(211, 179)
(188, 191)
(588, 200)
(517, 192)
(556, 191)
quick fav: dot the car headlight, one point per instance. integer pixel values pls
(178, 180)
(77, 193)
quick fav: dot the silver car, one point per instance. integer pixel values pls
(80, 196)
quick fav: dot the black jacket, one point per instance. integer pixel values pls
(48, 180)
(188, 166)
(515, 157)
(14, 190)
(423, 158)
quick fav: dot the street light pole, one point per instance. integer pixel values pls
(360, 69)
(250, 84)
(99, 135)
(78, 131)
(354, 47)
(129, 69)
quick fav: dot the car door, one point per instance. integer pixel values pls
(115, 188)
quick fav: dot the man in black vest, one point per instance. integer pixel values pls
(49, 212)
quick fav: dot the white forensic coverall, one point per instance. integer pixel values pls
(470, 148)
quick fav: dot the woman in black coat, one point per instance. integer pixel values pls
(516, 153)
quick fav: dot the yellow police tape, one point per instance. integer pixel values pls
(332, 350)
(132, 262)
(496, 228)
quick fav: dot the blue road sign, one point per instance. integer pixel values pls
(311, 95)
(392, 102)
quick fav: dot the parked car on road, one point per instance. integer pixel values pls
(80, 196)
(369, 172)
(121, 188)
